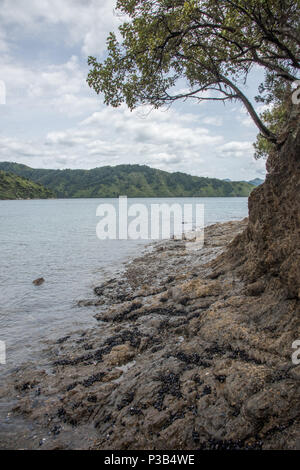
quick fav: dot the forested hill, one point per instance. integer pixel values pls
(16, 187)
(129, 180)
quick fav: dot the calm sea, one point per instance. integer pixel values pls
(56, 239)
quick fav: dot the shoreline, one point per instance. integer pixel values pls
(179, 360)
(117, 197)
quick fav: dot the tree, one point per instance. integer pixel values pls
(209, 45)
(275, 94)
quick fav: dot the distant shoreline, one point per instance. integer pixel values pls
(134, 181)
(136, 197)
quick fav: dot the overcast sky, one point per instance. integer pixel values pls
(53, 120)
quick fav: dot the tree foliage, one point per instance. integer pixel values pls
(197, 49)
(16, 187)
(132, 180)
(275, 95)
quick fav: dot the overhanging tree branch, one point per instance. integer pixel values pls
(212, 45)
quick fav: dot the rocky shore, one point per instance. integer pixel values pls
(186, 355)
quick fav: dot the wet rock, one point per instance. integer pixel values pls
(39, 281)
(119, 355)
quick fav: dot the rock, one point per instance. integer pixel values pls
(268, 250)
(295, 373)
(278, 400)
(119, 355)
(256, 288)
(39, 281)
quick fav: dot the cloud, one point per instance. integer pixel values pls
(86, 23)
(161, 138)
(213, 121)
(4, 46)
(53, 120)
(167, 140)
(59, 87)
(236, 149)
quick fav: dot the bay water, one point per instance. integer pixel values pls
(56, 240)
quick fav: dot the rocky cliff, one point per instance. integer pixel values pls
(268, 252)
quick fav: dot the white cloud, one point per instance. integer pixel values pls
(77, 130)
(4, 47)
(85, 22)
(236, 149)
(213, 121)
(161, 137)
(166, 140)
(60, 87)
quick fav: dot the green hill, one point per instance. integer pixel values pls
(256, 182)
(127, 180)
(16, 187)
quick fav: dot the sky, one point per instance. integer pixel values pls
(52, 119)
